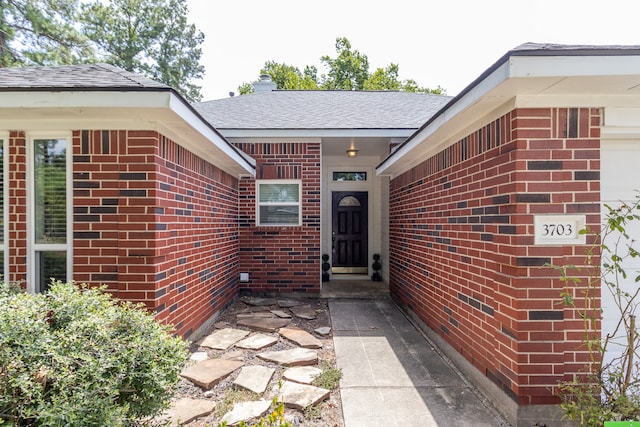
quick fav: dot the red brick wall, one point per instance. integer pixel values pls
(462, 255)
(282, 259)
(155, 223)
(17, 164)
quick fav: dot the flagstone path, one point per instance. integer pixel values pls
(260, 348)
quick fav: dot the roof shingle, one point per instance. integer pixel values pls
(84, 76)
(320, 109)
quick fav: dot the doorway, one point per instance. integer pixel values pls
(349, 233)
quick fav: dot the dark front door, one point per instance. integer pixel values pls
(349, 232)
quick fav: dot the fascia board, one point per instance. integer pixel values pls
(315, 133)
(574, 66)
(202, 127)
(392, 165)
(502, 82)
(154, 110)
(84, 99)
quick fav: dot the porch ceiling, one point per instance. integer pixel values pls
(367, 146)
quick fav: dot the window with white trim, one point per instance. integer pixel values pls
(50, 210)
(279, 202)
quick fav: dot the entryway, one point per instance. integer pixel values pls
(358, 289)
(349, 232)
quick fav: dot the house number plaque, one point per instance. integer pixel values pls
(559, 229)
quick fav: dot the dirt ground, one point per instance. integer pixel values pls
(326, 414)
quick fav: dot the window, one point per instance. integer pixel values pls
(50, 207)
(279, 202)
(349, 201)
(349, 176)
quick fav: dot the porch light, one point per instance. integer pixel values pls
(352, 152)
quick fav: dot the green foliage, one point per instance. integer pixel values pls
(76, 357)
(10, 288)
(349, 70)
(274, 419)
(289, 77)
(230, 398)
(41, 32)
(609, 389)
(329, 378)
(384, 79)
(151, 37)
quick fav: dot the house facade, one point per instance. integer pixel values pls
(112, 179)
(109, 178)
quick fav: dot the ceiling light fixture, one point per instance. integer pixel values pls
(352, 152)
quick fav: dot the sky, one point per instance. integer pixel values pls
(446, 43)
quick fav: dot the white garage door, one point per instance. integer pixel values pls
(620, 182)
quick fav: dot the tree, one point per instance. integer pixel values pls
(41, 32)
(348, 71)
(384, 79)
(286, 77)
(151, 37)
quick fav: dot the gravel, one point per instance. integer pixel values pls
(326, 414)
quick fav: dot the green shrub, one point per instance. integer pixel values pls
(77, 357)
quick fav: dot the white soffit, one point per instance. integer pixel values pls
(315, 133)
(160, 111)
(523, 81)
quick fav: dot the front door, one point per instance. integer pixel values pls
(349, 232)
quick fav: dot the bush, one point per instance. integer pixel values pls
(75, 356)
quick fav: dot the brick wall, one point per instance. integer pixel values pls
(17, 164)
(461, 245)
(155, 223)
(282, 259)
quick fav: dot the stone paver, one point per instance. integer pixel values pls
(287, 303)
(281, 313)
(233, 355)
(302, 374)
(199, 356)
(222, 339)
(301, 396)
(306, 313)
(257, 342)
(185, 410)
(293, 357)
(255, 315)
(263, 324)
(257, 301)
(300, 337)
(324, 331)
(245, 411)
(254, 378)
(210, 372)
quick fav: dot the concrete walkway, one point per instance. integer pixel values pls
(393, 376)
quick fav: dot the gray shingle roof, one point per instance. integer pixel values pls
(85, 76)
(293, 109)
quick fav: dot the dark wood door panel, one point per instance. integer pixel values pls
(350, 231)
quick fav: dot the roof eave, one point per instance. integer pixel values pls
(160, 109)
(501, 81)
(316, 133)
